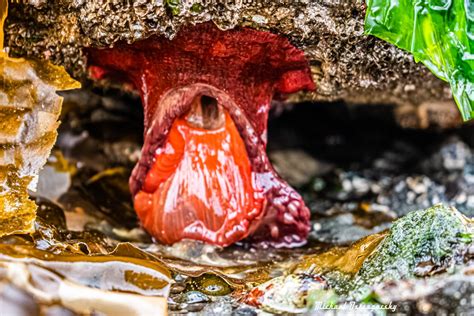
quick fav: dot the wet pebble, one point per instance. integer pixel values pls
(197, 307)
(297, 166)
(453, 155)
(177, 288)
(192, 297)
(244, 311)
(219, 307)
(341, 229)
(345, 186)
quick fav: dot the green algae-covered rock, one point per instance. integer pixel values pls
(423, 241)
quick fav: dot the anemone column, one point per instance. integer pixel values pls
(204, 173)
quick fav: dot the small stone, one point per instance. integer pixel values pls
(195, 307)
(424, 306)
(259, 19)
(245, 311)
(193, 297)
(297, 167)
(177, 288)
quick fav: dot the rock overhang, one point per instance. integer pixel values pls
(346, 64)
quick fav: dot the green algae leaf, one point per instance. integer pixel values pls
(439, 33)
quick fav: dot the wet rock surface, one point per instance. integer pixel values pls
(346, 64)
(369, 173)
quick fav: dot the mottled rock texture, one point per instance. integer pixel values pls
(346, 64)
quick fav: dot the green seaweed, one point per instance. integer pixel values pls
(439, 33)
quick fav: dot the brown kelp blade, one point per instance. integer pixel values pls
(29, 112)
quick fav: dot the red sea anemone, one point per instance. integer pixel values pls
(204, 173)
